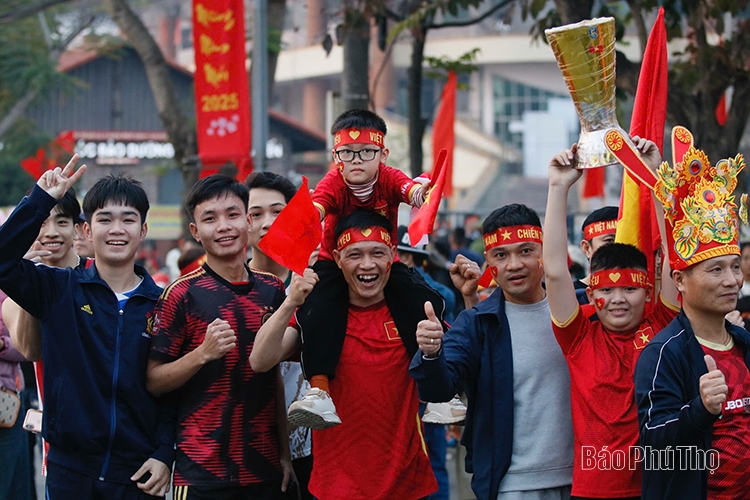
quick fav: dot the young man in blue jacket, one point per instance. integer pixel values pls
(503, 354)
(108, 437)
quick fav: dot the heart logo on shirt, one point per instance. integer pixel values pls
(614, 277)
(354, 134)
(366, 232)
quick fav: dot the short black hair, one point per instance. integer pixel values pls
(600, 215)
(514, 214)
(212, 187)
(69, 207)
(618, 256)
(743, 246)
(362, 219)
(120, 189)
(271, 181)
(359, 118)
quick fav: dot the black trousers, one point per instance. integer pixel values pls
(323, 316)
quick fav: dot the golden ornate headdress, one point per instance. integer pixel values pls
(699, 205)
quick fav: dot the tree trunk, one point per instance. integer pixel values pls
(417, 123)
(573, 11)
(355, 81)
(180, 130)
(276, 15)
(181, 133)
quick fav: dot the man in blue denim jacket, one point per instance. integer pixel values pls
(107, 435)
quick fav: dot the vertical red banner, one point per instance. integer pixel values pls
(222, 103)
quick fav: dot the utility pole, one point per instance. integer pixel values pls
(259, 81)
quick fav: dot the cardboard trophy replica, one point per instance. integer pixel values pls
(585, 53)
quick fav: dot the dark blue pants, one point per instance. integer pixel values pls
(434, 437)
(15, 480)
(67, 484)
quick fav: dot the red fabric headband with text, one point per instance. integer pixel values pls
(512, 234)
(611, 278)
(600, 228)
(359, 136)
(351, 236)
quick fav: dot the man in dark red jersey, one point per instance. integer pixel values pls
(378, 451)
(229, 443)
(692, 382)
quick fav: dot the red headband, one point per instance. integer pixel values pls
(374, 233)
(512, 234)
(359, 136)
(600, 228)
(611, 278)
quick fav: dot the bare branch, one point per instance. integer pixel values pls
(476, 20)
(18, 109)
(28, 10)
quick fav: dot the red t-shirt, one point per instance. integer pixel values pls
(602, 399)
(378, 451)
(336, 200)
(731, 436)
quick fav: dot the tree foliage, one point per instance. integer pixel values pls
(715, 58)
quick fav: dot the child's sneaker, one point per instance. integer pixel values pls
(315, 410)
(452, 412)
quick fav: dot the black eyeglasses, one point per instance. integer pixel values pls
(364, 154)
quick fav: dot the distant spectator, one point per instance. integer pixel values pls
(459, 245)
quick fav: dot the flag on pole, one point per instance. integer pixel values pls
(637, 225)
(443, 134)
(424, 220)
(295, 233)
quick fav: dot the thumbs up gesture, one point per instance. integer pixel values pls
(713, 387)
(430, 332)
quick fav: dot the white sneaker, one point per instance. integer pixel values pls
(315, 410)
(452, 412)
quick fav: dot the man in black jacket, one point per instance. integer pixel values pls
(692, 381)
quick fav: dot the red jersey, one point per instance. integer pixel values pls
(335, 200)
(731, 436)
(378, 451)
(602, 400)
(227, 432)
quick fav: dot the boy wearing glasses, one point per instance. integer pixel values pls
(361, 181)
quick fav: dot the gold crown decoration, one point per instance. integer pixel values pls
(699, 204)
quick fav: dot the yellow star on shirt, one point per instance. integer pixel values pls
(644, 338)
(506, 235)
(382, 212)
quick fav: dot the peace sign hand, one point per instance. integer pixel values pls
(57, 182)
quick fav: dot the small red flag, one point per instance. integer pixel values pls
(593, 186)
(424, 220)
(443, 134)
(295, 233)
(721, 110)
(35, 166)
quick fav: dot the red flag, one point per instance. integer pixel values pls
(593, 186)
(295, 233)
(443, 135)
(638, 224)
(222, 101)
(35, 166)
(424, 220)
(721, 110)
